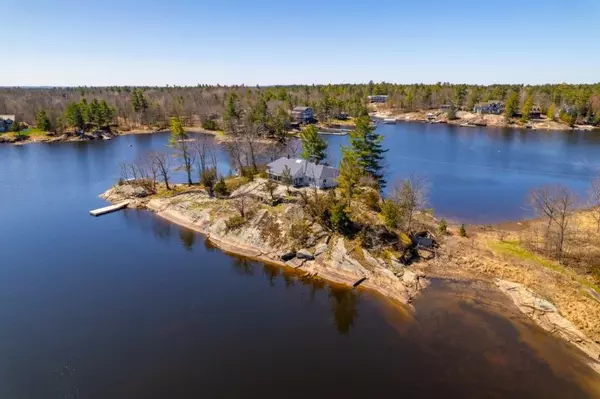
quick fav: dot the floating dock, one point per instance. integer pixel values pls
(108, 209)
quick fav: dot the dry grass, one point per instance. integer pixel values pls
(484, 256)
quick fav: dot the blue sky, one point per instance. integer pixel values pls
(269, 42)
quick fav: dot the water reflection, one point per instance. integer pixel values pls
(188, 238)
(344, 308)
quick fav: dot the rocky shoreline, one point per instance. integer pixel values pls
(325, 256)
(332, 257)
(470, 119)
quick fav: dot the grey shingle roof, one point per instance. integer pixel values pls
(301, 167)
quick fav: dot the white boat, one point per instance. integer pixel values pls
(389, 121)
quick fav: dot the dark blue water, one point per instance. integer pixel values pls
(483, 175)
(129, 306)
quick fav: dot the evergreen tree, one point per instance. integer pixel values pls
(232, 113)
(94, 115)
(526, 110)
(42, 121)
(366, 144)
(179, 141)
(107, 113)
(73, 116)
(512, 105)
(350, 173)
(314, 148)
(551, 113)
(15, 127)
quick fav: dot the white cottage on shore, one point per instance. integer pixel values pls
(303, 173)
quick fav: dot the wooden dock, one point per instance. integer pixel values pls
(108, 209)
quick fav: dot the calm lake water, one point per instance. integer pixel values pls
(130, 306)
(483, 175)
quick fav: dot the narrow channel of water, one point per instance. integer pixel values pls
(130, 306)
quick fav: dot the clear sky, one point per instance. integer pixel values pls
(186, 42)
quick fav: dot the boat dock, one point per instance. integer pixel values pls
(108, 209)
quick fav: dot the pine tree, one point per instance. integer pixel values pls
(512, 105)
(107, 113)
(314, 148)
(94, 115)
(366, 144)
(350, 173)
(551, 113)
(179, 141)
(42, 121)
(526, 110)
(232, 113)
(15, 127)
(73, 116)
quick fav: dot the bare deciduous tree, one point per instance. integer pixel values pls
(241, 204)
(542, 201)
(411, 196)
(270, 187)
(161, 161)
(556, 205)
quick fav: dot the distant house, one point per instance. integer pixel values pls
(342, 116)
(489, 107)
(303, 114)
(445, 107)
(378, 98)
(303, 173)
(536, 112)
(6, 122)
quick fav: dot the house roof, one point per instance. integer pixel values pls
(301, 167)
(6, 117)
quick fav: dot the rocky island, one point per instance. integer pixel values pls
(276, 224)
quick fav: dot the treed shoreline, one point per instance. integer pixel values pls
(130, 109)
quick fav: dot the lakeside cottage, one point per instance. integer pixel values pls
(489, 107)
(303, 173)
(378, 98)
(536, 112)
(303, 114)
(6, 122)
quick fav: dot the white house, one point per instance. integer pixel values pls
(303, 173)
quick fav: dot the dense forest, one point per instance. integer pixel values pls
(134, 107)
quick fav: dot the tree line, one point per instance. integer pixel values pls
(210, 106)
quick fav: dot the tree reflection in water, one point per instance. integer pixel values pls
(188, 238)
(344, 307)
(243, 266)
(271, 272)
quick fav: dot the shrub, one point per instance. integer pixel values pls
(463, 231)
(339, 219)
(443, 226)
(300, 233)
(208, 178)
(235, 222)
(210, 124)
(371, 199)
(220, 188)
(391, 213)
